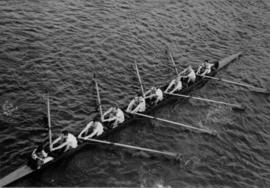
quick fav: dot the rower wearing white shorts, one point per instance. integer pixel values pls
(176, 84)
(68, 139)
(154, 93)
(191, 75)
(136, 105)
(95, 126)
(115, 115)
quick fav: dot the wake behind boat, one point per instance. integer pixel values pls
(109, 129)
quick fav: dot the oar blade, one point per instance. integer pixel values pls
(261, 90)
(239, 108)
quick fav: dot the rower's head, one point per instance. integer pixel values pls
(137, 97)
(96, 119)
(40, 148)
(114, 109)
(65, 133)
(205, 62)
(153, 88)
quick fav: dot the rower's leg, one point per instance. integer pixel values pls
(39, 163)
(115, 124)
(47, 159)
(67, 148)
(156, 101)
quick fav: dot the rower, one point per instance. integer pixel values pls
(68, 141)
(189, 73)
(114, 115)
(136, 105)
(40, 157)
(154, 94)
(177, 83)
(95, 126)
(204, 68)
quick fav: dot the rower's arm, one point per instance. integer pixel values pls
(55, 141)
(150, 96)
(174, 89)
(147, 92)
(106, 113)
(170, 85)
(59, 147)
(34, 155)
(199, 70)
(84, 130)
(136, 109)
(179, 86)
(109, 119)
(92, 134)
(130, 106)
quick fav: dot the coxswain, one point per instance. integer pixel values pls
(114, 115)
(136, 105)
(93, 128)
(40, 157)
(154, 94)
(177, 83)
(204, 68)
(67, 141)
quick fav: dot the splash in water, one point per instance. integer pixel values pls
(156, 184)
(218, 114)
(8, 108)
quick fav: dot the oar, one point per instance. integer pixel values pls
(175, 68)
(98, 97)
(139, 77)
(238, 106)
(176, 123)
(49, 121)
(171, 154)
(256, 89)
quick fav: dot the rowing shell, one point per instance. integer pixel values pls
(25, 170)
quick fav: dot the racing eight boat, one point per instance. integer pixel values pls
(26, 169)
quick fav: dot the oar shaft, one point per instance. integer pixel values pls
(237, 83)
(98, 97)
(204, 99)
(176, 71)
(49, 120)
(175, 123)
(133, 147)
(139, 77)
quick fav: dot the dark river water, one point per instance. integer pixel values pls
(57, 46)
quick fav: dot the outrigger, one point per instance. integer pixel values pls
(26, 169)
